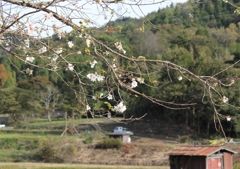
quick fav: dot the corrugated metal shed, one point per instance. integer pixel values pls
(199, 151)
(201, 157)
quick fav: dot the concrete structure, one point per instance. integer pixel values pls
(123, 133)
(201, 157)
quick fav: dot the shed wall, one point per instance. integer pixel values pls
(228, 163)
(215, 163)
(187, 162)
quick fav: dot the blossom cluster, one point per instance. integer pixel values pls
(42, 50)
(30, 28)
(135, 82)
(70, 44)
(70, 67)
(48, 16)
(95, 77)
(93, 63)
(118, 45)
(29, 71)
(29, 59)
(120, 108)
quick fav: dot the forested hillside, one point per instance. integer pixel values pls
(203, 37)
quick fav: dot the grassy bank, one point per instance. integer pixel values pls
(70, 166)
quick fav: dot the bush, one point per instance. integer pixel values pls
(109, 143)
(88, 140)
(47, 152)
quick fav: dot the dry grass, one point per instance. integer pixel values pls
(70, 166)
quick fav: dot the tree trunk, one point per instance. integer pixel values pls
(49, 115)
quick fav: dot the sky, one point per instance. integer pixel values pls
(135, 11)
(100, 13)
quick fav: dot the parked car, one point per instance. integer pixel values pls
(122, 130)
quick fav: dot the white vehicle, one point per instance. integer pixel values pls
(2, 125)
(122, 130)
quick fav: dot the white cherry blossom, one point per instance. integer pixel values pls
(110, 97)
(88, 107)
(29, 71)
(54, 59)
(100, 78)
(93, 63)
(48, 15)
(228, 118)
(140, 80)
(70, 44)
(59, 51)
(29, 59)
(134, 84)
(225, 99)
(92, 77)
(95, 77)
(30, 28)
(120, 108)
(70, 67)
(42, 50)
(118, 45)
(180, 78)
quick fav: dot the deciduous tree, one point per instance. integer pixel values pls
(31, 31)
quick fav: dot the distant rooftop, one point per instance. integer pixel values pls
(199, 150)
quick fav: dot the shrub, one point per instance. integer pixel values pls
(109, 143)
(47, 152)
(88, 140)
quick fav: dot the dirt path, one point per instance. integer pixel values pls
(82, 166)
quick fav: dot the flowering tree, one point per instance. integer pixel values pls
(58, 36)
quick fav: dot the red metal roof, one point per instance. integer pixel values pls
(198, 150)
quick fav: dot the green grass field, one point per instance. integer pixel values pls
(44, 123)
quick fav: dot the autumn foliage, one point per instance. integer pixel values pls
(3, 75)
